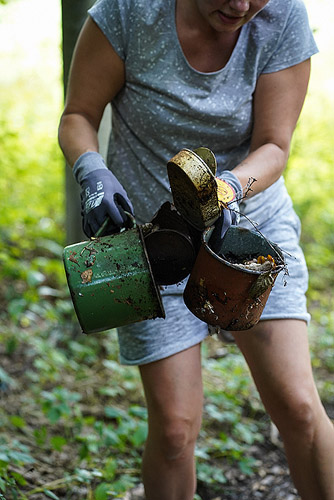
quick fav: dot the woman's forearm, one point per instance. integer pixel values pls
(265, 164)
(76, 136)
(278, 100)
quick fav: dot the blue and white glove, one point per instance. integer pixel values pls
(229, 194)
(102, 195)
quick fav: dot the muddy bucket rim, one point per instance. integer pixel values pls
(277, 269)
(219, 295)
(195, 154)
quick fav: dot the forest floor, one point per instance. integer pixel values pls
(270, 482)
(270, 479)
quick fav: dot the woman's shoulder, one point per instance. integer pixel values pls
(132, 12)
(277, 12)
(145, 7)
(277, 19)
(281, 35)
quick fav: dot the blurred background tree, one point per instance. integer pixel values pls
(74, 13)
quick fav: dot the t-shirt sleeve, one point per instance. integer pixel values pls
(296, 43)
(112, 18)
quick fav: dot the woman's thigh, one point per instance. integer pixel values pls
(277, 353)
(173, 390)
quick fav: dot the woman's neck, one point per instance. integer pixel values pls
(205, 49)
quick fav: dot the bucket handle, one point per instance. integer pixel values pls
(130, 219)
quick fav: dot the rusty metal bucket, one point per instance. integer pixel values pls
(222, 293)
(111, 281)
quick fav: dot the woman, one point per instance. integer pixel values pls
(230, 75)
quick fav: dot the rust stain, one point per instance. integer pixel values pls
(72, 258)
(86, 276)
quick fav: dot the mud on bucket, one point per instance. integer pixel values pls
(111, 281)
(222, 290)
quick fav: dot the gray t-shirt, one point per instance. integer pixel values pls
(167, 105)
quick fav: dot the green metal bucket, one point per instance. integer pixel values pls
(111, 281)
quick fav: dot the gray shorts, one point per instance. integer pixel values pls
(151, 340)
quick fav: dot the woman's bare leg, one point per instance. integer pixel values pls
(174, 395)
(277, 353)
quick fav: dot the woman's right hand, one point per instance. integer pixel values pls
(102, 195)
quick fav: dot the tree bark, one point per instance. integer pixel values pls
(74, 13)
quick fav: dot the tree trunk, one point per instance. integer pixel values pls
(74, 13)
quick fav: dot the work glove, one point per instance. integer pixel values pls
(102, 195)
(229, 194)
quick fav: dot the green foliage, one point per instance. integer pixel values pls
(12, 453)
(310, 179)
(31, 218)
(59, 403)
(229, 423)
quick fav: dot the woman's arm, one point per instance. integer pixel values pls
(96, 76)
(278, 101)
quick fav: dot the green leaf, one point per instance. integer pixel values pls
(111, 438)
(53, 415)
(247, 465)
(35, 278)
(50, 494)
(16, 308)
(40, 435)
(17, 421)
(102, 491)
(7, 379)
(114, 413)
(201, 452)
(204, 472)
(57, 442)
(138, 411)
(4, 457)
(110, 468)
(214, 412)
(19, 478)
(2, 488)
(140, 435)
(122, 485)
(51, 246)
(218, 475)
